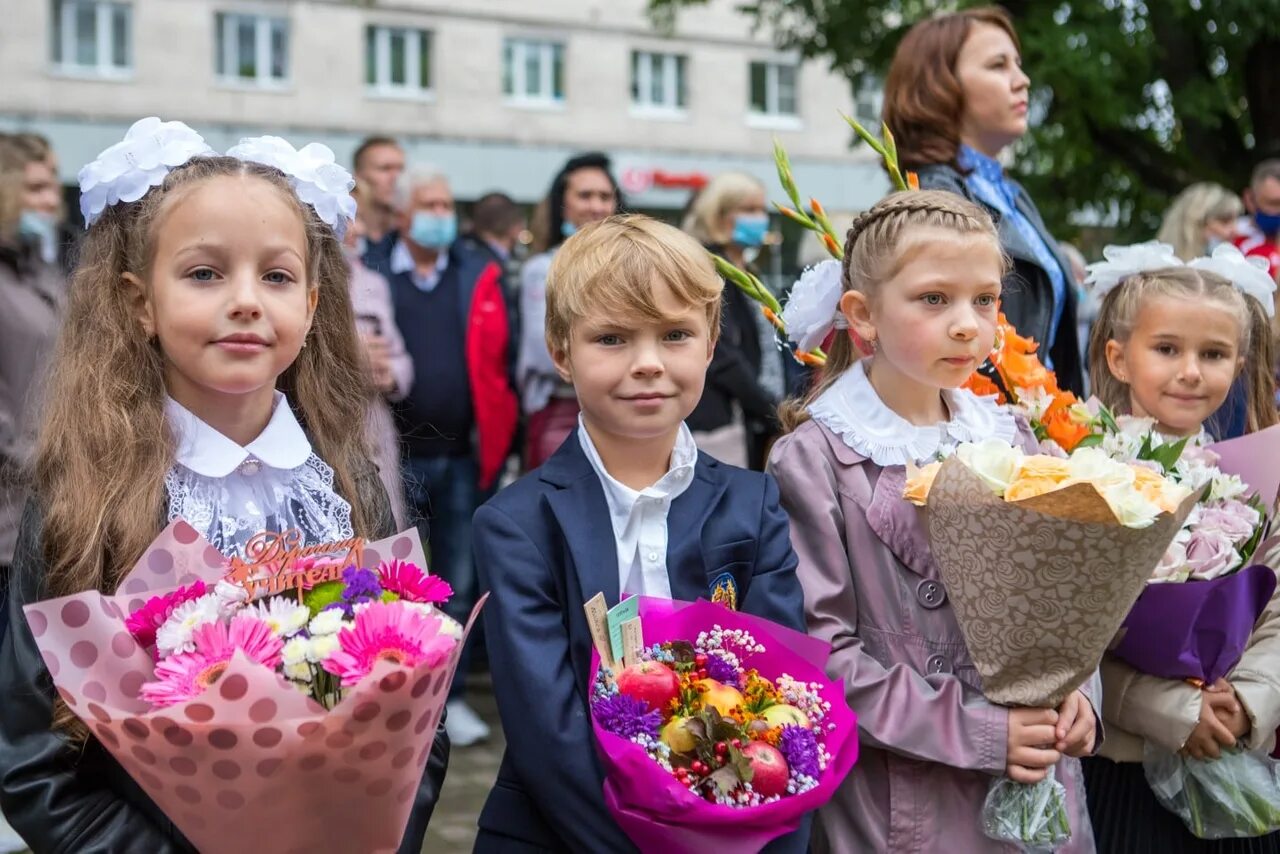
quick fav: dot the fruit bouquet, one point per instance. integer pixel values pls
(274, 704)
(1042, 558)
(721, 729)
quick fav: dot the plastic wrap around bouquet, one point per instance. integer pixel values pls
(721, 733)
(1042, 558)
(250, 762)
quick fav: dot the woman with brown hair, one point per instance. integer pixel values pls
(955, 98)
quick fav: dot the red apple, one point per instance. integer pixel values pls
(651, 682)
(769, 771)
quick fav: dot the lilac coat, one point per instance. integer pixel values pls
(931, 744)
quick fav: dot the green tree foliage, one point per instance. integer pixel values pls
(1132, 99)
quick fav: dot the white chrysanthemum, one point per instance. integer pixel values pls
(286, 618)
(322, 647)
(294, 659)
(175, 634)
(810, 313)
(326, 622)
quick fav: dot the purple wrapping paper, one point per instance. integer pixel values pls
(657, 812)
(1197, 629)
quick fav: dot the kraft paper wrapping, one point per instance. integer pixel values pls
(1039, 595)
(252, 764)
(1255, 459)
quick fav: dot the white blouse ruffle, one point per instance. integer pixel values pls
(230, 493)
(852, 410)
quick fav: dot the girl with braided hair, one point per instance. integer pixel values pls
(918, 293)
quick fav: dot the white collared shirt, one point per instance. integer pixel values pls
(640, 518)
(402, 262)
(276, 483)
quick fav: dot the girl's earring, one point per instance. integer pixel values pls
(865, 346)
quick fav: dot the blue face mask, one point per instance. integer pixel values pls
(568, 229)
(433, 231)
(750, 229)
(41, 230)
(1268, 224)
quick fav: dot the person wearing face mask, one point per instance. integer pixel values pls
(735, 419)
(43, 214)
(458, 420)
(1201, 218)
(1260, 229)
(583, 191)
(32, 294)
(956, 97)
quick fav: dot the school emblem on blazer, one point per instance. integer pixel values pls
(724, 591)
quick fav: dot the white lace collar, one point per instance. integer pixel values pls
(852, 410)
(230, 493)
(207, 452)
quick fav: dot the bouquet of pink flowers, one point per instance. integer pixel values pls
(276, 704)
(722, 731)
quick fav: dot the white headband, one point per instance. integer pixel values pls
(813, 308)
(1249, 275)
(152, 148)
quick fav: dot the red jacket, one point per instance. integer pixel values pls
(488, 348)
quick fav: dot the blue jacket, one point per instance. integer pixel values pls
(544, 546)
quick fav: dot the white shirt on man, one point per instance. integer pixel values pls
(639, 518)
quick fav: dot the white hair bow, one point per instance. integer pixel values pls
(1249, 275)
(152, 149)
(813, 308)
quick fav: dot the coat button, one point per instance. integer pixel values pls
(937, 664)
(931, 594)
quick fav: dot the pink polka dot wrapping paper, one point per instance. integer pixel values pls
(252, 764)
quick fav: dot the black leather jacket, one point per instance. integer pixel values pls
(1027, 297)
(62, 799)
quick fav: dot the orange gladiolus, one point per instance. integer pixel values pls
(983, 387)
(913, 180)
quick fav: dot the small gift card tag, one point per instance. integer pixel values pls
(627, 609)
(724, 591)
(632, 641)
(598, 623)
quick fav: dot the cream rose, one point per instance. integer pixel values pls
(992, 460)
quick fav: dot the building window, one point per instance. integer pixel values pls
(658, 81)
(533, 71)
(869, 103)
(773, 88)
(93, 36)
(397, 60)
(252, 49)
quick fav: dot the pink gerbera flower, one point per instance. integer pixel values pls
(387, 631)
(186, 675)
(409, 582)
(142, 623)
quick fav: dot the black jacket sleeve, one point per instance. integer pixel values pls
(60, 798)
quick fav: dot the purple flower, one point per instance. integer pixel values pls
(799, 746)
(358, 585)
(1211, 553)
(722, 671)
(626, 716)
(1232, 518)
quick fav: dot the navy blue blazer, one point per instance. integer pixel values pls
(543, 547)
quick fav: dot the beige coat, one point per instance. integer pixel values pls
(1137, 707)
(32, 294)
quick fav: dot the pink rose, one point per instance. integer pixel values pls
(1234, 519)
(1210, 553)
(1173, 564)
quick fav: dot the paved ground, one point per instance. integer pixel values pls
(471, 774)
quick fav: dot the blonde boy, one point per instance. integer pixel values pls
(626, 505)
